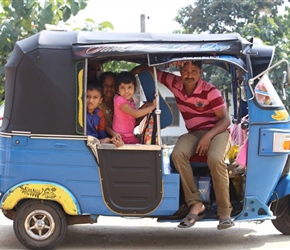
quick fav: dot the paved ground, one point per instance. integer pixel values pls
(148, 234)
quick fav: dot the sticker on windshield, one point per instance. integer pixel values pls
(266, 94)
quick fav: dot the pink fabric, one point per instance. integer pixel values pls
(123, 123)
(239, 137)
(242, 155)
(238, 134)
(197, 109)
(234, 134)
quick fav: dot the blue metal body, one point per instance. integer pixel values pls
(68, 163)
(55, 163)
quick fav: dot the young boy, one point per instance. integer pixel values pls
(96, 122)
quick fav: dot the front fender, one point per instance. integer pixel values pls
(282, 189)
(43, 191)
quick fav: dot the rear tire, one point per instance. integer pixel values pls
(40, 224)
(281, 209)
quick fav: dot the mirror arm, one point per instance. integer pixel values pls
(283, 85)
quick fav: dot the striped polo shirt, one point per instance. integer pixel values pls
(198, 109)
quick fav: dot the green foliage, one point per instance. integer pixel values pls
(22, 18)
(218, 77)
(217, 16)
(118, 66)
(91, 25)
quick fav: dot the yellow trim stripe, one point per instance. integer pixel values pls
(80, 101)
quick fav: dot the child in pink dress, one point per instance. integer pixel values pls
(125, 112)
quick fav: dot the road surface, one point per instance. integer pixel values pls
(129, 233)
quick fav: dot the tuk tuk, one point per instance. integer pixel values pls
(52, 174)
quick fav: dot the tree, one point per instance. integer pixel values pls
(119, 66)
(215, 16)
(23, 18)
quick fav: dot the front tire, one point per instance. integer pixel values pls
(40, 224)
(281, 209)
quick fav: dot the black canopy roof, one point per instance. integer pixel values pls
(42, 74)
(65, 39)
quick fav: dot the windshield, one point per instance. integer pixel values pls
(266, 94)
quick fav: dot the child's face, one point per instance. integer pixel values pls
(94, 98)
(126, 90)
(109, 87)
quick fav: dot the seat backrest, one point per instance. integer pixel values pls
(148, 85)
(198, 161)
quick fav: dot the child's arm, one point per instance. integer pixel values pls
(101, 128)
(110, 131)
(116, 137)
(148, 104)
(144, 110)
(105, 140)
(145, 105)
(141, 68)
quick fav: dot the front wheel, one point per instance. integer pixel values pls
(40, 224)
(281, 209)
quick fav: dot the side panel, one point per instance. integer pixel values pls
(66, 162)
(33, 167)
(131, 180)
(135, 183)
(264, 165)
(41, 93)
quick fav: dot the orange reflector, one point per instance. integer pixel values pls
(286, 145)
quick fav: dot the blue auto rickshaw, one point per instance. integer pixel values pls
(52, 174)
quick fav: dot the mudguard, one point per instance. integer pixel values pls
(282, 189)
(42, 191)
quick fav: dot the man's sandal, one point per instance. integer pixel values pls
(186, 222)
(225, 223)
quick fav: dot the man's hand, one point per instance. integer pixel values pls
(140, 68)
(203, 145)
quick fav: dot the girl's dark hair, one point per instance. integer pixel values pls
(126, 77)
(97, 87)
(105, 74)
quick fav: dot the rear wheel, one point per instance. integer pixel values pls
(40, 224)
(281, 209)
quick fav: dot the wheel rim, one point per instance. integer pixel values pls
(39, 225)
